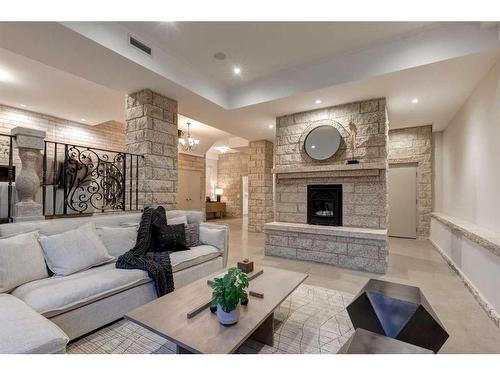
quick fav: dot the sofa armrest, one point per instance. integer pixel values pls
(225, 228)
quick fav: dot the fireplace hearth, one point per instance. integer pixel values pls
(324, 205)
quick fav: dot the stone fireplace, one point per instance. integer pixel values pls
(329, 211)
(324, 204)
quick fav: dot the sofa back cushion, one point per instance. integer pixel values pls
(118, 240)
(56, 226)
(213, 236)
(21, 261)
(74, 250)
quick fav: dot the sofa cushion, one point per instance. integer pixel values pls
(118, 240)
(74, 250)
(181, 260)
(21, 261)
(213, 236)
(26, 331)
(58, 294)
(178, 220)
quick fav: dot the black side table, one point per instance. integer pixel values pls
(397, 311)
(366, 342)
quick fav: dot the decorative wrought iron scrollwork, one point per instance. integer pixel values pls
(94, 180)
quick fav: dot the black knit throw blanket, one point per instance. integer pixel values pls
(148, 254)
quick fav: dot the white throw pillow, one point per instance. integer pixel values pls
(75, 250)
(118, 240)
(178, 220)
(21, 261)
(213, 236)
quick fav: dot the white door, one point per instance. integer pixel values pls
(403, 200)
(189, 190)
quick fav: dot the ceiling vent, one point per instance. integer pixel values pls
(140, 45)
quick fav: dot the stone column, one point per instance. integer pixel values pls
(260, 185)
(29, 143)
(152, 131)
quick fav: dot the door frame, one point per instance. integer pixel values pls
(202, 182)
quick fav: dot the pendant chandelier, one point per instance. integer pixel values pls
(186, 142)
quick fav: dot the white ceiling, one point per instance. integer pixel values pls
(48, 90)
(89, 79)
(207, 135)
(261, 49)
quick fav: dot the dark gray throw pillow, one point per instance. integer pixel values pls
(192, 234)
(171, 238)
(180, 237)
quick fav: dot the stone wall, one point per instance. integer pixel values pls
(260, 185)
(361, 243)
(152, 131)
(230, 168)
(195, 163)
(364, 191)
(341, 249)
(369, 117)
(414, 145)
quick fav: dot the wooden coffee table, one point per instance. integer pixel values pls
(166, 316)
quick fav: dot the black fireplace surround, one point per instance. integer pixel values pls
(324, 205)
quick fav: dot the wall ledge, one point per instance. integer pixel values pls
(483, 302)
(353, 232)
(486, 238)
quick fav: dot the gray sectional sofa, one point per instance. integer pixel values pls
(41, 316)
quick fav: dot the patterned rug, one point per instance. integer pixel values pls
(311, 320)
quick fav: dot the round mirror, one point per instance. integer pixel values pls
(322, 142)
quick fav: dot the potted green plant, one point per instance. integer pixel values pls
(227, 293)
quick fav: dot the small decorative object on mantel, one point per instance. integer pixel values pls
(227, 293)
(246, 266)
(353, 132)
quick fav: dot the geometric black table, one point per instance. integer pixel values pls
(397, 311)
(366, 342)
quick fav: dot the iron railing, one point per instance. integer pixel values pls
(75, 179)
(83, 180)
(7, 176)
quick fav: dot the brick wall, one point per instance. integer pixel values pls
(109, 135)
(414, 145)
(230, 168)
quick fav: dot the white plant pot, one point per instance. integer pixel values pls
(230, 317)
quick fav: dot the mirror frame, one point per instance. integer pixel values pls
(311, 131)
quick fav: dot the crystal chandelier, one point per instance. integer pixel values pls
(187, 142)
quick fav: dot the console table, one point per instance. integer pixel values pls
(216, 208)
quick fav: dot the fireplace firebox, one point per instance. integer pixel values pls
(324, 205)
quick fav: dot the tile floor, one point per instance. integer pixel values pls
(411, 262)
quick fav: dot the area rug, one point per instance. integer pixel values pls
(311, 320)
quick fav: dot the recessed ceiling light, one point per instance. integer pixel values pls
(219, 56)
(237, 70)
(23, 105)
(317, 101)
(313, 146)
(414, 100)
(271, 126)
(83, 120)
(5, 76)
